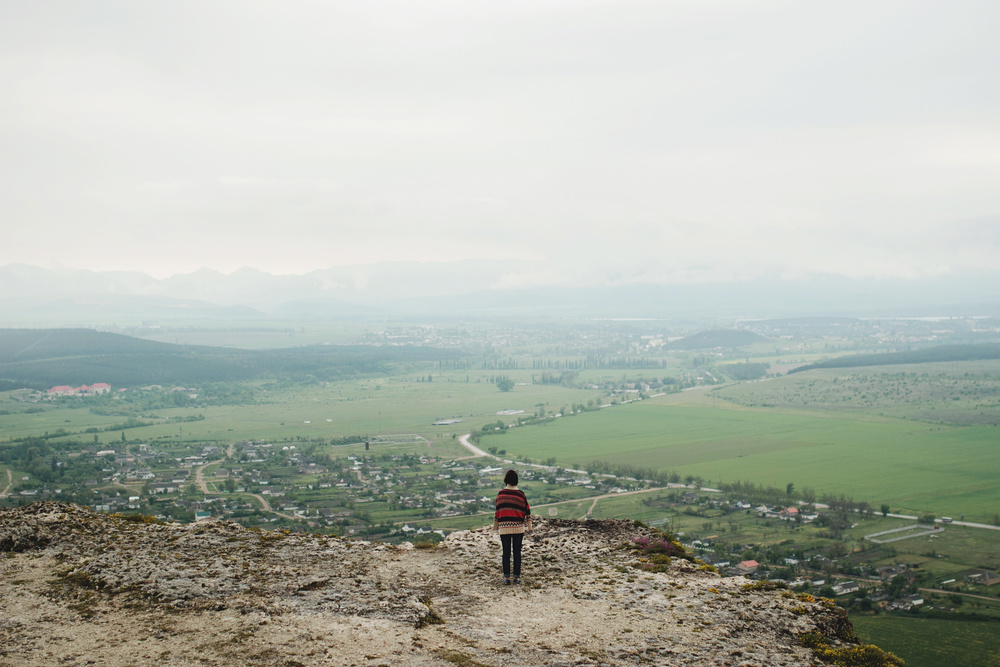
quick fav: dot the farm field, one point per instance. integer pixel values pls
(335, 410)
(928, 642)
(912, 466)
(954, 393)
(943, 555)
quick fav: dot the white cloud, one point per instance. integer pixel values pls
(615, 141)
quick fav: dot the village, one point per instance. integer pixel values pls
(398, 497)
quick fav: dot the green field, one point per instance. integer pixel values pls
(333, 410)
(912, 466)
(927, 642)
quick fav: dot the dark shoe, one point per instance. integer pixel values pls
(506, 581)
(516, 580)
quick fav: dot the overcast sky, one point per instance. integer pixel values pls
(621, 140)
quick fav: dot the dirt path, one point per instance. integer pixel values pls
(10, 482)
(964, 595)
(199, 473)
(471, 447)
(199, 479)
(477, 452)
(266, 505)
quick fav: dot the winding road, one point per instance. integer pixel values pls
(476, 451)
(199, 480)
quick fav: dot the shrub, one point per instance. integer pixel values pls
(764, 585)
(138, 518)
(860, 655)
(655, 554)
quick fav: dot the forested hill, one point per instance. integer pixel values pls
(42, 358)
(927, 355)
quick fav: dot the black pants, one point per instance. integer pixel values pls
(511, 543)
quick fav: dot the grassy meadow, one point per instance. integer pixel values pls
(929, 642)
(913, 466)
(332, 410)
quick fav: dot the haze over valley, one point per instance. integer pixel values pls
(720, 280)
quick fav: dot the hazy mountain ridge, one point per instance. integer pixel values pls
(140, 592)
(389, 289)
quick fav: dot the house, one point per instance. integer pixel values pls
(845, 587)
(907, 602)
(980, 576)
(715, 559)
(887, 572)
(747, 566)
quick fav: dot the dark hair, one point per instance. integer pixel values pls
(510, 478)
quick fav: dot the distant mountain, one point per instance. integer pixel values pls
(495, 289)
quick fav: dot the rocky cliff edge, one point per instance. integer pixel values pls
(80, 588)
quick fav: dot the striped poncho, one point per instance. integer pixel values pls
(511, 511)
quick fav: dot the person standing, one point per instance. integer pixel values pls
(512, 518)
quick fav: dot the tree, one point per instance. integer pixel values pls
(505, 384)
(789, 489)
(884, 509)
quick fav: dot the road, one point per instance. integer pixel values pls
(964, 595)
(476, 451)
(465, 443)
(946, 523)
(199, 478)
(10, 482)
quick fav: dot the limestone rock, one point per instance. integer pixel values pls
(81, 587)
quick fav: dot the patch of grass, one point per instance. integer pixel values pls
(458, 658)
(80, 579)
(764, 585)
(429, 618)
(425, 544)
(928, 642)
(138, 518)
(860, 655)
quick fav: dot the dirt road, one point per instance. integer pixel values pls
(10, 482)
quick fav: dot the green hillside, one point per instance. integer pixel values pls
(41, 358)
(976, 352)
